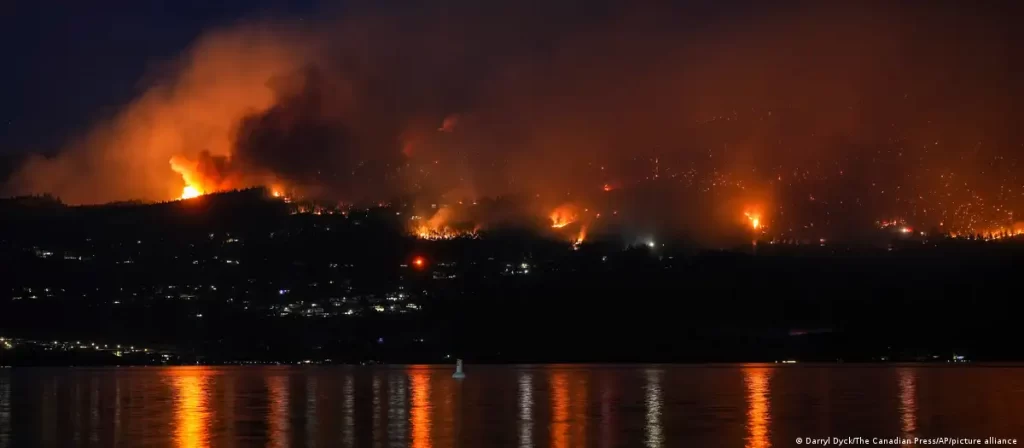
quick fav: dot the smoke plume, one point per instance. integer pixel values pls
(693, 111)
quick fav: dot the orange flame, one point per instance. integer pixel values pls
(580, 237)
(563, 215)
(437, 228)
(195, 173)
(755, 220)
(190, 192)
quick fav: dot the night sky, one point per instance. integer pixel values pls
(73, 63)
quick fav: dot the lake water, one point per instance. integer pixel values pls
(514, 406)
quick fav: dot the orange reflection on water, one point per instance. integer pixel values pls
(908, 401)
(578, 404)
(445, 395)
(420, 379)
(559, 410)
(759, 409)
(191, 413)
(568, 408)
(277, 415)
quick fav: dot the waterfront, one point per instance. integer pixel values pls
(522, 406)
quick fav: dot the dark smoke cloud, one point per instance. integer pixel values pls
(556, 101)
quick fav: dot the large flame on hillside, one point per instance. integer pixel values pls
(564, 215)
(439, 227)
(754, 218)
(225, 77)
(390, 103)
(205, 174)
(580, 237)
(190, 192)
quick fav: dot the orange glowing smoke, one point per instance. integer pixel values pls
(224, 78)
(449, 124)
(206, 174)
(564, 215)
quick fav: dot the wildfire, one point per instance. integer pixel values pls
(443, 233)
(755, 220)
(563, 215)
(190, 192)
(579, 238)
(437, 228)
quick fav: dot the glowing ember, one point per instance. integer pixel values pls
(419, 262)
(190, 192)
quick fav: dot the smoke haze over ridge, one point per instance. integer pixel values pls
(868, 105)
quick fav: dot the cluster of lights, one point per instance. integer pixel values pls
(8, 343)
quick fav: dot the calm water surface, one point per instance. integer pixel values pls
(515, 406)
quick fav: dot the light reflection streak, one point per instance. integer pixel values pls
(908, 401)
(311, 414)
(5, 410)
(190, 406)
(226, 411)
(420, 379)
(397, 413)
(525, 410)
(277, 417)
(77, 413)
(117, 411)
(607, 433)
(50, 412)
(376, 411)
(655, 438)
(94, 410)
(759, 409)
(559, 410)
(446, 424)
(578, 402)
(347, 432)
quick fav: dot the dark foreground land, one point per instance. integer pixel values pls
(256, 283)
